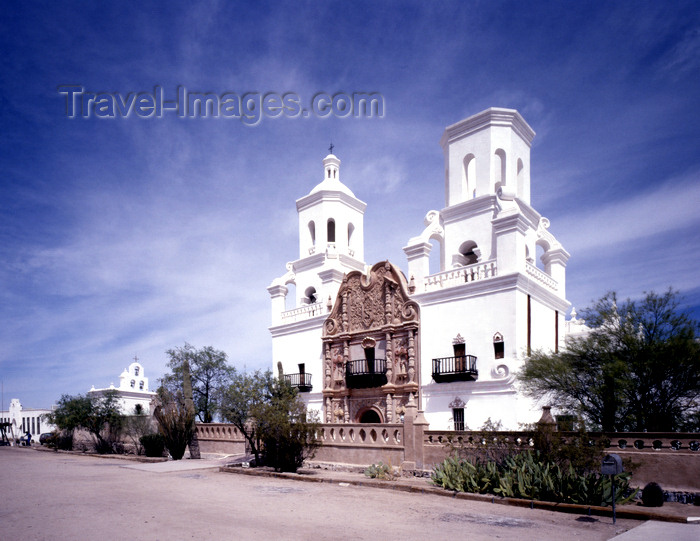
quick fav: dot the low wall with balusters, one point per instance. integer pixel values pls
(220, 438)
(671, 459)
(361, 444)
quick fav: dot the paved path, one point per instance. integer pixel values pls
(57, 496)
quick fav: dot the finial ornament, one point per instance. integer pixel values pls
(330, 148)
(136, 358)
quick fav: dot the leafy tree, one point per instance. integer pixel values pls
(243, 404)
(136, 426)
(638, 369)
(209, 371)
(98, 414)
(288, 429)
(272, 418)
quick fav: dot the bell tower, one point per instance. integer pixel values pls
(331, 243)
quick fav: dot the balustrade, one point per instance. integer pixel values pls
(304, 312)
(461, 275)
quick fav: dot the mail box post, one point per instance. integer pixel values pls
(612, 465)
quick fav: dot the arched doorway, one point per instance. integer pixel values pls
(370, 416)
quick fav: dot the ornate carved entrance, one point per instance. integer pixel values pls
(371, 353)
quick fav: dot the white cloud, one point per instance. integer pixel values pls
(667, 208)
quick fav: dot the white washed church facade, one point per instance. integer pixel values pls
(364, 342)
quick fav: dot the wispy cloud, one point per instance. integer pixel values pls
(640, 216)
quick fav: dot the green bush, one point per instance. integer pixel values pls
(62, 440)
(381, 471)
(652, 495)
(153, 444)
(526, 475)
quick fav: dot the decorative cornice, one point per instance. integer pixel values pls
(311, 323)
(330, 196)
(509, 223)
(473, 207)
(494, 116)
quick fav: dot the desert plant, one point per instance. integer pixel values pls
(381, 471)
(175, 421)
(526, 475)
(652, 495)
(153, 444)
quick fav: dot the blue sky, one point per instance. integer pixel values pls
(130, 236)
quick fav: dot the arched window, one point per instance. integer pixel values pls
(351, 230)
(469, 176)
(331, 230)
(133, 383)
(499, 169)
(141, 385)
(468, 254)
(542, 247)
(312, 232)
(520, 179)
(136, 371)
(310, 295)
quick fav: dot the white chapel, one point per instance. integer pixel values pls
(362, 342)
(133, 393)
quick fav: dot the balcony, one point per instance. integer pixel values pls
(302, 382)
(461, 368)
(365, 373)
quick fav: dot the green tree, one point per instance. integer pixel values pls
(288, 429)
(243, 404)
(137, 425)
(638, 368)
(209, 371)
(100, 415)
(272, 418)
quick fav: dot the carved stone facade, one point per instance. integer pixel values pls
(372, 314)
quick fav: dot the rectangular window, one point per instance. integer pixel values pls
(33, 425)
(498, 350)
(458, 417)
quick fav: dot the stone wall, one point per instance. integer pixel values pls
(671, 459)
(361, 444)
(220, 438)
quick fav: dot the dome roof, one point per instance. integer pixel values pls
(331, 184)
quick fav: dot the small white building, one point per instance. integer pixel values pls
(132, 390)
(362, 342)
(23, 420)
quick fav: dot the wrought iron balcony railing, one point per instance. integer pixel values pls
(462, 368)
(365, 373)
(301, 381)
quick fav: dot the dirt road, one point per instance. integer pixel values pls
(57, 496)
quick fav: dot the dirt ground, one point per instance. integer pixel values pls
(56, 496)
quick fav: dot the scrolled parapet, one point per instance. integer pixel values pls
(371, 301)
(543, 234)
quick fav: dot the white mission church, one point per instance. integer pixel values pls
(364, 341)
